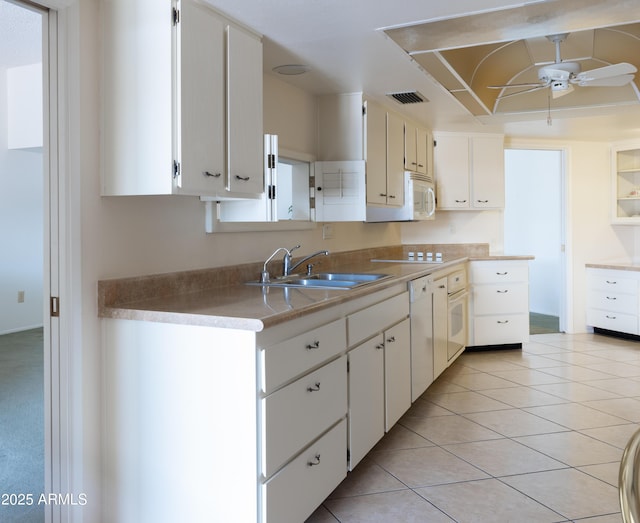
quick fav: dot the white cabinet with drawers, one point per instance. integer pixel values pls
(612, 300)
(499, 302)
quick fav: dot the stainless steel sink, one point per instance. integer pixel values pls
(324, 280)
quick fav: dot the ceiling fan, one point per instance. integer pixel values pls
(561, 76)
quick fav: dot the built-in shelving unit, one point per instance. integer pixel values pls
(626, 184)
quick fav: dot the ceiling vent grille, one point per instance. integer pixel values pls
(408, 97)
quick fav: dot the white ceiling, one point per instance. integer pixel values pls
(20, 35)
(344, 44)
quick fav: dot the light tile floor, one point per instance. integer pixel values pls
(532, 435)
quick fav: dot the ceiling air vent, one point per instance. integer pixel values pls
(409, 97)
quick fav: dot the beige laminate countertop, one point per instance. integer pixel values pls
(255, 308)
(616, 265)
(218, 297)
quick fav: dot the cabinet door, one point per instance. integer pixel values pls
(440, 326)
(395, 160)
(397, 372)
(366, 398)
(137, 98)
(451, 163)
(421, 150)
(410, 147)
(340, 191)
(487, 169)
(244, 112)
(201, 130)
(376, 153)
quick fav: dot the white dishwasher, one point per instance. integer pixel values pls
(421, 310)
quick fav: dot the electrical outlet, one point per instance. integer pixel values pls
(20, 296)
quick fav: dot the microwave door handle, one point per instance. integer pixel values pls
(431, 201)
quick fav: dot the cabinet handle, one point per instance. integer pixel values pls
(380, 346)
(315, 388)
(391, 340)
(420, 165)
(383, 194)
(502, 321)
(482, 201)
(216, 175)
(502, 292)
(413, 163)
(243, 178)
(314, 345)
(461, 201)
(392, 196)
(610, 317)
(611, 282)
(316, 461)
(611, 298)
(502, 273)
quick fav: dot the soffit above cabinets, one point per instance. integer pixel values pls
(468, 54)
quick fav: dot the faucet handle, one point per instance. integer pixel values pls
(293, 249)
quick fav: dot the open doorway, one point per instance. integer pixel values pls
(534, 224)
(22, 266)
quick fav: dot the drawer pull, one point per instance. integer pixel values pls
(460, 201)
(611, 317)
(502, 292)
(482, 201)
(502, 321)
(314, 345)
(316, 461)
(243, 178)
(611, 282)
(502, 273)
(611, 298)
(315, 388)
(391, 340)
(216, 175)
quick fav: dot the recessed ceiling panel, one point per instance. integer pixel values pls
(438, 70)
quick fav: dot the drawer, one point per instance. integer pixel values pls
(494, 272)
(297, 490)
(500, 329)
(612, 301)
(295, 415)
(614, 321)
(456, 281)
(372, 320)
(288, 359)
(612, 281)
(501, 298)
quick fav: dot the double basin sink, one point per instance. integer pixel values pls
(324, 280)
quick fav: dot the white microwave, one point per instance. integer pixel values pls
(419, 202)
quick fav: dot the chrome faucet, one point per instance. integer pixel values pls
(287, 268)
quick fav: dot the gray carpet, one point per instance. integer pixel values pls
(543, 323)
(21, 424)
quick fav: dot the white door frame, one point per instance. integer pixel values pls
(566, 294)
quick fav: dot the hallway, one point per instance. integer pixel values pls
(529, 436)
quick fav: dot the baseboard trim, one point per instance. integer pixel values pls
(506, 346)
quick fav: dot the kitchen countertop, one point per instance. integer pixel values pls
(220, 298)
(616, 265)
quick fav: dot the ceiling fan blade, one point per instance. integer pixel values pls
(506, 86)
(612, 81)
(509, 95)
(605, 72)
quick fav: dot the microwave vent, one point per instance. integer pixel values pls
(408, 97)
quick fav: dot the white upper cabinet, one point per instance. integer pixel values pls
(182, 101)
(415, 144)
(469, 171)
(376, 152)
(395, 160)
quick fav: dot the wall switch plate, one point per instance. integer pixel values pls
(327, 231)
(20, 296)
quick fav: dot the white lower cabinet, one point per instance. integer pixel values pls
(379, 372)
(366, 398)
(499, 302)
(440, 326)
(613, 300)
